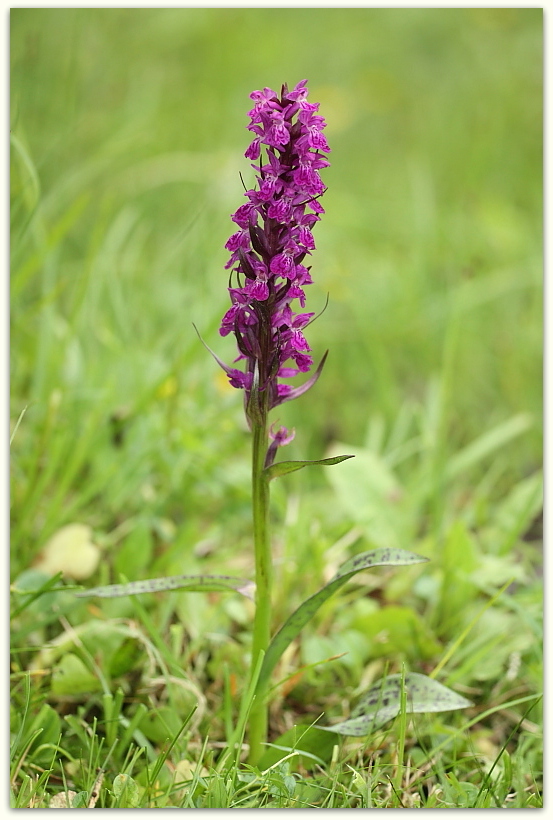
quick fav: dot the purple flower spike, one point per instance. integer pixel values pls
(267, 253)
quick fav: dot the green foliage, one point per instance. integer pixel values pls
(191, 583)
(308, 745)
(394, 695)
(284, 467)
(393, 630)
(127, 135)
(71, 677)
(305, 612)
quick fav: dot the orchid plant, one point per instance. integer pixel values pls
(268, 267)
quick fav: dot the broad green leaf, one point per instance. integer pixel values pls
(126, 790)
(304, 613)
(284, 467)
(34, 586)
(136, 551)
(317, 649)
(191, 583)
(79, 801)
(46, 730)
(382, 703)
(392, 630)
(313, 747)
(71, 677)
(99, 638)
(160, 724)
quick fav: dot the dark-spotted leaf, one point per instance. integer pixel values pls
(295, 623)
(382, 703)
(285, 467)
(190, 583)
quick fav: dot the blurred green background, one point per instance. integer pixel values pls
(128, 134)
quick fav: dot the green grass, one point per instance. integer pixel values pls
(128, 133)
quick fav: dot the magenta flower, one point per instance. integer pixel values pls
(269, 249)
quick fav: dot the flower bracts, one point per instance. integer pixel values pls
(269, 249)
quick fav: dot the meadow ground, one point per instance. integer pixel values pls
(127, 141)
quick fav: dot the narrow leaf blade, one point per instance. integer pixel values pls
(190, 583)
(285, 467)
(304, 613)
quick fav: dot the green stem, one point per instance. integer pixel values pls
(258, 723)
